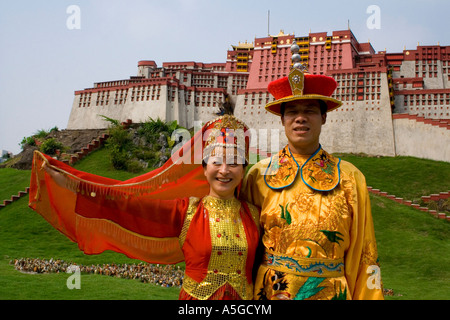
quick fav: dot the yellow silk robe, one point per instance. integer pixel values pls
(318, 233)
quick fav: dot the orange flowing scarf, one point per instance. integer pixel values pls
(85, 206)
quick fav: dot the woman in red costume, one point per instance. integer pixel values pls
(168, 215)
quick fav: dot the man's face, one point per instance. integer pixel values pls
(302, 123)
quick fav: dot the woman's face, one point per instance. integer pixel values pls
(223, 177)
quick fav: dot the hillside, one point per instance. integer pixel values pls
(414, 247)
(71, 140)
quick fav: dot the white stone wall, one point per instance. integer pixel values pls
(360, 127)
(357, 127)
(266, 128)
(407, 70)
(417, 139)
(89, 117)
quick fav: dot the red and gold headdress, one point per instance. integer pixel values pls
(226, 133)
(299, 85)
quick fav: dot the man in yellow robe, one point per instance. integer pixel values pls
(318, 234)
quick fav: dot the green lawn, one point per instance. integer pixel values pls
(414, 247)
(414, 251)
(24, 234)
(99, 163)
(406, 177)
(52, 286)
(12, 181)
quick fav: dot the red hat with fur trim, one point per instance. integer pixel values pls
(301, 86)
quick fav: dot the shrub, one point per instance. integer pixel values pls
(144, 154)
(151, 129)
(119, 158)
(120, 137)
(50, 146)
(170, 142)
(129, 153)
(41, 134)
(114, 122)
(121, 146)
(134, 166)
(27, 141)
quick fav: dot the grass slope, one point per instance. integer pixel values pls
(406, 177)
(24, 234)
(414, 251)
(12, 181)
(414, 247)
(98, 162)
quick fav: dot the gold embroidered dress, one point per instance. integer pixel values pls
(219, 240)
(318, 233)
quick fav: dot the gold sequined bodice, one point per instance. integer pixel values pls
(229, 243)
(227, 263)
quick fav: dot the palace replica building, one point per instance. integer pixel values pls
(393, 103)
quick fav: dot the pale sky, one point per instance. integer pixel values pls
(43, 61)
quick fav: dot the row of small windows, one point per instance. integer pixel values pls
(204, 99)
(322, 68)
(142, 93)
(257, 98)
(353, 83)
(427, 74)
(270, 78)
(430, 112)
(120, 96)
(239, 82)
(262, 99)
(111, 84)
(283, 54)
(336, 53)
(423, 99)
(432, 54)
(357, 90)
(365, 75)
(359, 97)
(211, 99)
(430, 70)
(429, 96)
(103, 98)
(85, 100)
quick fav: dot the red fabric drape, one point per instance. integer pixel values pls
(106, 214)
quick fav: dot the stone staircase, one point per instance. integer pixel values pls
(15, 198)
(442, 123)
(91, 146)
(71, 159)
(433, 197)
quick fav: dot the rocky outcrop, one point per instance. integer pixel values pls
(75, 142)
